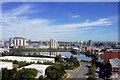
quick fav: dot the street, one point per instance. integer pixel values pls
(79, 73)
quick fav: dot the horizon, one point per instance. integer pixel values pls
(64, 21)
(60, 40)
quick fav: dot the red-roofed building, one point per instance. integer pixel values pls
(110, 55)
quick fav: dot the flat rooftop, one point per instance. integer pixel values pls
(28, 59)
(7, 65)
(39, 67)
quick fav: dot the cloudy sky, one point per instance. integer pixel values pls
(63, 21)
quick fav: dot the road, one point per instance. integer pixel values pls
(80, 72)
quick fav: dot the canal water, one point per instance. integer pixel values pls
(63, 54)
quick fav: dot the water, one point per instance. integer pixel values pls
(79, 57)
(63, 54)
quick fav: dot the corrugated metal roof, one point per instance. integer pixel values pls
(115, 62)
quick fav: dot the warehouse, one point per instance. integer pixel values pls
(28, 59)
(41, 68)
(7, 65)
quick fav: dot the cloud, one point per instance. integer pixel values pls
(15, 24)
(75, 16)
(18, 11)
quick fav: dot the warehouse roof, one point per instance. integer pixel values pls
(41, 68)
(28, 59)
(115, 62)
(7, 65)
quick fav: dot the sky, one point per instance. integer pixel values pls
(64, 21)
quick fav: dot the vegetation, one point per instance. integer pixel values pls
(92, 70)
(55, 72)
(95, 62)
(91, 73)
(38, 49)
(58, 58)
(73, 62)
(20, 64)
(91, 77)
(105, 71)
(23, 74)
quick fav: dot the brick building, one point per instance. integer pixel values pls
(110, 55)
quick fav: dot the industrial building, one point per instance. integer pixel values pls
(28, 59)
(7, 65)
(4, 50)
(41, 68)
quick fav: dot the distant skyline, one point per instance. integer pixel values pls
(63, 21)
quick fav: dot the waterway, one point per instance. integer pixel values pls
(63, 54)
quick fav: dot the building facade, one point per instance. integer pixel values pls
(19, 42)
(53, 44)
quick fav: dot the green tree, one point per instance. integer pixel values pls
(58, 58)
(91, 77)
(41, 78)
(26, 74)
(55, 72)
(92, 70)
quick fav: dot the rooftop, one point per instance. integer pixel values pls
(41, 68)
(28, 59)
(115, 62)
(19, 38)
(7, 65)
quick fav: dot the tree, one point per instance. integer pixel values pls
(5, 74)
(92, 70)
(58, 58)
(41, 77)
(74, 61)
(55, 72)
(8, 74)
(91, 77)
(26, 74)
(107, 70)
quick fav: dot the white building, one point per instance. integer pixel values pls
(19, 42)
(28, 59)
(3, 42)
(4, 49)
(53, 44)
(7, 65)
(41, 68)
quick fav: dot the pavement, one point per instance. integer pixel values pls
(79, 73)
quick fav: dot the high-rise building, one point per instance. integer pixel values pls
(53, 44)
(19, 42)
(90, 43)
(10, 42)
(3, 42)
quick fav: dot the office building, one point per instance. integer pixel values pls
(53, 44)
(90, 43)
